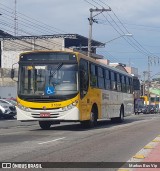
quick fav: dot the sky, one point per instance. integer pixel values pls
(141, 18)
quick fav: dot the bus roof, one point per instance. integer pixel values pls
(104, 65)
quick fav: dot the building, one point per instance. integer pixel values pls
(131, 70)
(12, 46)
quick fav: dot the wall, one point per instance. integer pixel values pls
(8, 92)
(132, 70)
(103, 61)
(11, 49)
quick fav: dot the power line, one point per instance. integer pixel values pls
(100, 21)
(7, 24)
(37, 22)
(15, 19)
(90, 3)
(136, 45)
(127, 30)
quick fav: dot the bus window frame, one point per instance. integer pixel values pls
(100, 79)
(82, 75)
(93, 76)
(119, 84)
(113, 81)
(107, 79)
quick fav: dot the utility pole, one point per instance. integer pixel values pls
(148, 94)
(144, 82)
(151, 61)
(91, 21)
(15, 19)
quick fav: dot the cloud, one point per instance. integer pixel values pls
(72, 14)
(137, 10)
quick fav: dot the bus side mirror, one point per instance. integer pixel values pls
(12, 73)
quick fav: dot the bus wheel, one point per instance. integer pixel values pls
(93, 120)
(45, 124)
(90, 123)
(120, 118)
(121, 115)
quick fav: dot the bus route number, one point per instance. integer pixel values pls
(56, 105)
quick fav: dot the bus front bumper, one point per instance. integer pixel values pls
(48, 115)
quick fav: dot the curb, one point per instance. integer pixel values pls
(150, 154)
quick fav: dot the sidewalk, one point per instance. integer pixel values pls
(152, 157)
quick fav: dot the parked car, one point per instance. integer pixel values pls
(150, 109)
(10, 101)
(7, 110)
(139, 110)
(138, 105)
(157, 108)
(144, 110)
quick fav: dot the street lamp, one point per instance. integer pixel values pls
(128, 34)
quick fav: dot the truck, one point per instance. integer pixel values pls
(138, 105)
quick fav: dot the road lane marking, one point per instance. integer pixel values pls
(45, 142)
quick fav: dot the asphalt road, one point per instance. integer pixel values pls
(108, 142)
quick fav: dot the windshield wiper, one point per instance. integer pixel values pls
(59, 66)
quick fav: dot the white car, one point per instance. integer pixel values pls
(7, 110)
(9, 101)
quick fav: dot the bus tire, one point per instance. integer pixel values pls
(45, 125)
(90, 123)
(120, 118)
(121, 115)
(93, 120)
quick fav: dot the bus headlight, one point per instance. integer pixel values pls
(75, 103)
(70, 106)
(64, 108)
(23, 107)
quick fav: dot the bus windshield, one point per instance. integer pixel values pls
(48, 80)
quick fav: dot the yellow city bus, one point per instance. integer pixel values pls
(145, 98)
(58, 86)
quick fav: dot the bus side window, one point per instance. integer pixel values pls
(127, 85)
(93, 77)
(123, 83)
(107, 80)
(100, 77)
(83, 78)
(131, 85)
(113, 81)
(119, 86)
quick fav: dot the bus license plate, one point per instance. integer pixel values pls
(45, 115)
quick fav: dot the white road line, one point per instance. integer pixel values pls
(51, 140)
